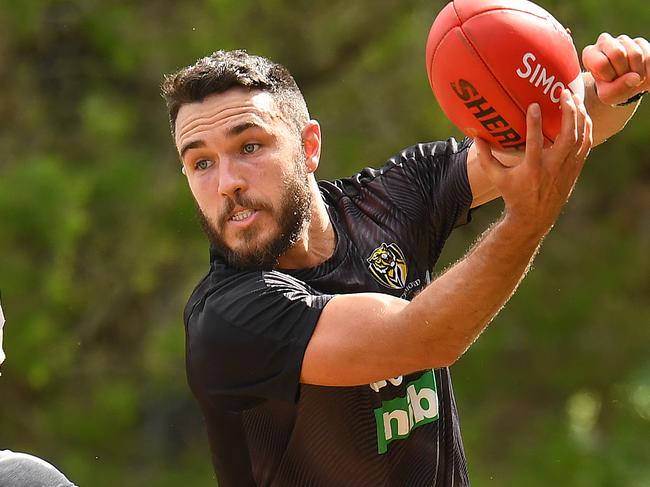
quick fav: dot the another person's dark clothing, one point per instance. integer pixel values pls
(247, 333)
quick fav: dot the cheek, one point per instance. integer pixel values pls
(259, 176)
(200, 188)
(264, 184)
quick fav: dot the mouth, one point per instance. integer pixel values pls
(242, 216)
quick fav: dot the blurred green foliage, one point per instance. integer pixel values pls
(99, 246)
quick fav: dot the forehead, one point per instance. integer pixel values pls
(221, 110)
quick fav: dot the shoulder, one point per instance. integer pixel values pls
(231, 308)
(246, 333)
(405, 164)
(234, 295)
(440, 148)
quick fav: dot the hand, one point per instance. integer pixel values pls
(620, 66)
(535, 191)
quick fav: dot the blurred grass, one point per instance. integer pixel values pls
(99, 246)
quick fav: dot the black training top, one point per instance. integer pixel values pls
(247, 333)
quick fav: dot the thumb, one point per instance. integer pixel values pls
(490, 164)
(619, 90)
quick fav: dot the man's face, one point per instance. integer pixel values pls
(246, 169)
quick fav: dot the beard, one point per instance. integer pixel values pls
(292, 215)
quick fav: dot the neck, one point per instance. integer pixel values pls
(318, 239)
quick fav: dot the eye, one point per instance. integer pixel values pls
(202, 164)
(250, 148)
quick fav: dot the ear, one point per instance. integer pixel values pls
(311, 141)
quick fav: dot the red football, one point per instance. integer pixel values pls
(488, 60)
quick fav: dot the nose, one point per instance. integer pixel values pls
(231, 179)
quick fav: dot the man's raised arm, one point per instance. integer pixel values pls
(362, 338)
(618, 70)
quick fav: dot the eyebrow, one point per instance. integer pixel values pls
(195, 144)
(230, 132)
(241, 127)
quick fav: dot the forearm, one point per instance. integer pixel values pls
(453, 311)
(362, 338)
(608, 120)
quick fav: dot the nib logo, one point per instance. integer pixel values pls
(396, 418)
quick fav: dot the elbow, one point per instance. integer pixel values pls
(448, 358)
(434, 343)
(452, 352)
(438, 355)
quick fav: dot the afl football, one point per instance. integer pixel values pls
(488, 60)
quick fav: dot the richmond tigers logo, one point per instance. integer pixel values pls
(388, 265)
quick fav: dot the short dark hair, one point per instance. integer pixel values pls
(223, 70)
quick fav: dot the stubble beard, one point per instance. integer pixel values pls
(292, 216)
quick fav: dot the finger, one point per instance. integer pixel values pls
(587, 140)
(581, 118)
(615, 52)
(568, 136)
(644, 45)
(534, 133)
(634, 55)
(578, 162)
(598, 64)
(490, 165)
(581, 157)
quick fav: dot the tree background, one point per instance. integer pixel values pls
(100, 248)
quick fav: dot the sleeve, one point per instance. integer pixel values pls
(429, 182)
(247, 337)
(423, 189)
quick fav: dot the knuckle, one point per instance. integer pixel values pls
(604, 36)
(642, 43)
(635, 52)
(633, 49)
(617, 50)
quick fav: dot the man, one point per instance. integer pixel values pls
(21, 469)
(312, 359)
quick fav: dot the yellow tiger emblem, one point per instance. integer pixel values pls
(388, 265)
